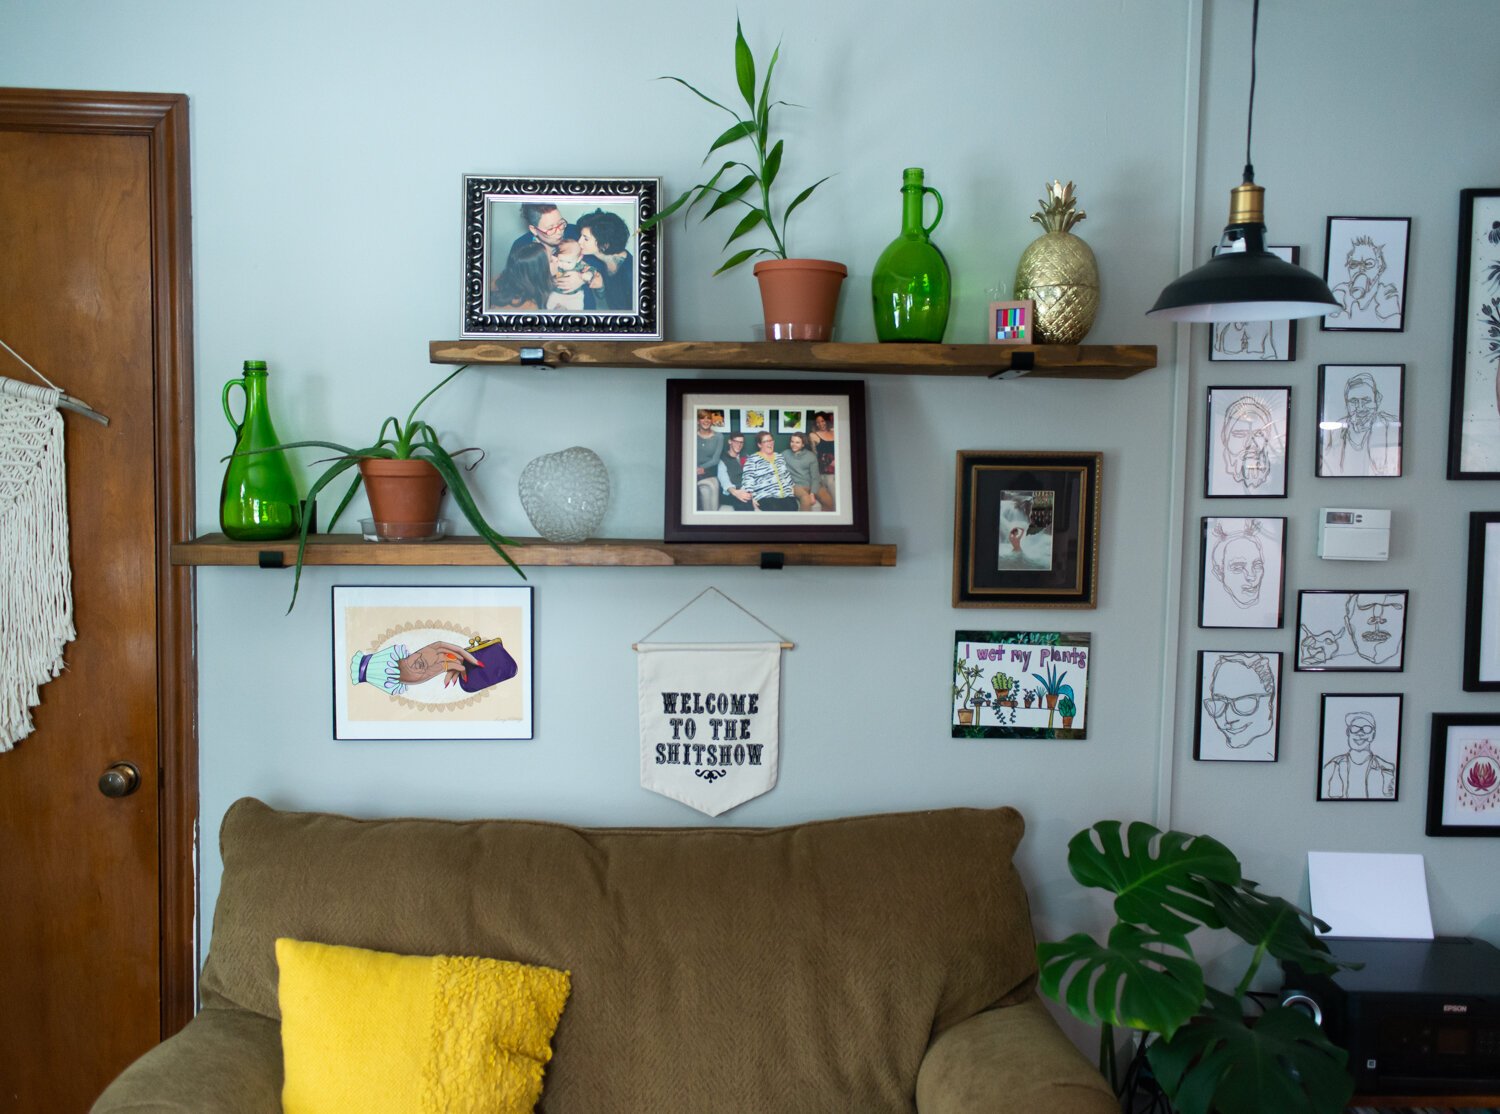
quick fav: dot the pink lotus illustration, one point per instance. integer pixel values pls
(1480, 777)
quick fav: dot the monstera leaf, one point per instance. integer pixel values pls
(1282, 1063)
(1157, 877)
(1272, 923)
(1140, 979)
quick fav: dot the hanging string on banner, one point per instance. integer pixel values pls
(54, 396)
(785, 645)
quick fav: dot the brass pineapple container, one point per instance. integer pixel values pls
(1058, 271)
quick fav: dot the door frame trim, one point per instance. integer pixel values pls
(162, 120)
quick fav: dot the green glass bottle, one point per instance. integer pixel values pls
(910, 285)
(259, 501)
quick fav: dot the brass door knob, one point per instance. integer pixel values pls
(120, 780)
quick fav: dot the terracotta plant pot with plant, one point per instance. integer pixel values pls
(404, 495)
(799, 297)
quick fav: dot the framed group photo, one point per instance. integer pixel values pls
(1364, 264)
(561, 258)
(1271, 342)
(1241, 582)
(1026, 529)
(1359, 747)
(1474, 420)
(1463, 778)
(766, 460)
(1482, 615)
(1239, 706)
(1359, 419)
(1245, 443)
(1351, 632)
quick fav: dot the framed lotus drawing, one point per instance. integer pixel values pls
(1463, 779)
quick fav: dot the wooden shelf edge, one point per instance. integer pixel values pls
(1089, 361)
(351, 549)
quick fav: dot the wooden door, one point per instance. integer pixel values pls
(97, 950)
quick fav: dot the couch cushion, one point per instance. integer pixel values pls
(744, 969)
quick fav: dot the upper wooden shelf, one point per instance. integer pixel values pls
(352, 549)
(1001, 361)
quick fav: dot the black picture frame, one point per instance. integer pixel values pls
(1338, 630)
(1473, 432)
(1379, 454)
(992, 689)
(1365, 720)
(1267, 342)
(1239, 733)
(1463, 775)
(1482, 612)
(1242, 573)
(783, 408)
(1350, 255)
(498, 233)
(1049, 554)
(1245, 442)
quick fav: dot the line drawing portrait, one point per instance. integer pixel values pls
(1238, 700)
(1359, 423)
(1365, 267)
(1359, 747)
(1346, 631)
(1267, 341)
(1025, 530)
(1247, 443)
(1241, 583)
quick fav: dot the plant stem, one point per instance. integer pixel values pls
(1244, 984)
(1107, 1055)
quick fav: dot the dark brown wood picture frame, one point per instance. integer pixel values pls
(1482, 611)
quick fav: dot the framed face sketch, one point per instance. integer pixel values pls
(1364, 264)
(1239, 706)
(1474, 421)
(561, 258)
(1359, 419)
(1359, 747)
(1241, 582)
(1463, 780)
(1245, 444)
(1482, 615)
(1272, 342)
(1026, 529)
(1349, 632)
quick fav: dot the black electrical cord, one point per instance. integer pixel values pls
(1250, 115)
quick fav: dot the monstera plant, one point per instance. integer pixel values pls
(1204, 1051)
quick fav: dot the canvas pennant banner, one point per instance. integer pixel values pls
(710, 717)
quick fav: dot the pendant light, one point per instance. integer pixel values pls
(1244, 281)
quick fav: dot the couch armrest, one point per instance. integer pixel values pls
(225, 1061)
(1015, 1058)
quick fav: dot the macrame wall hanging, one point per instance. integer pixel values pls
(36, 582)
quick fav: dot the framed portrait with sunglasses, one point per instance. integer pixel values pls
(1239, 706)
(561, 258)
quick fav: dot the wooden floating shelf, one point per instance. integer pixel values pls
(352, 549)
(1001, 361)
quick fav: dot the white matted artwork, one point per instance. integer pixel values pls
(1239, 706)
(1340, 631)
(1245, 446)
(1364, 264)
(1359, 419)
(1359, 747)
(432, 663)
(1241, 582)
(1264, 341)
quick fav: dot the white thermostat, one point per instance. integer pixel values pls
(1354, 535)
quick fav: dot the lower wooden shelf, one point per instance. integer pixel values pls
(352, 549)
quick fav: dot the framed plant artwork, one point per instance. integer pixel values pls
(1272, 342)
(1359, 747)
(1026, 529)
(1364, 264)
(1020, 685)
(1245, 443)
(1351, 632)
(561, 258)
(1359, 419)
(1241, 583)
(1482, 615)
(432, 663)
(766, 460)
(1474, 420)
(1463, 780)
(1239, 706)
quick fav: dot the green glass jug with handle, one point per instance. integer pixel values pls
(911, 283)
(259, 501)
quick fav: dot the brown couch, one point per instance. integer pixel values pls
(869, 964)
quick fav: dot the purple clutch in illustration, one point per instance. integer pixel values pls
(495, 665)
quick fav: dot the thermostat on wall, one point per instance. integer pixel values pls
(1354, 535)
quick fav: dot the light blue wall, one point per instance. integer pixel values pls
(328, 144)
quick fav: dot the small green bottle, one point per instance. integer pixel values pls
(910, 285)
(259, 501)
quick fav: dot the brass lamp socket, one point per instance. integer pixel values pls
(1247, 203)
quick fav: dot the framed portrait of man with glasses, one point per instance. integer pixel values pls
(1239, 706)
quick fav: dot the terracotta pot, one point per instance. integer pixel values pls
(404, 496)
(799, 297)
(1067, 721)
(1051, 698)
(965, 717)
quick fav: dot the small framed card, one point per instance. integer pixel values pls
(1011, 322)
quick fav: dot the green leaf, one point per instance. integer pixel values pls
(663, 214)
(731, 135)
(739, 257)
(744, 66)
(1283, 1063)
(700, 93)
(752, 220)
(1140, 980)
(798, 200)
(1272, 923)
(730, 196)
(763, 111)
(459, 488)
(339, 467)
(344, 502)
(1158, 878)
(773, 162)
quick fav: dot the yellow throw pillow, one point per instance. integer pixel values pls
(403, 1034)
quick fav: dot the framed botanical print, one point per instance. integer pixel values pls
(1482, 615)
(1245, 442)
(1020, 685)
(1359, 747)
(1026, 529)
(1474, 420)
(1351, 632)
(1240, 583)
(1239, 706)
(1359, 419)
(1270, 342)
(1463, 776)
(1364, 264)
